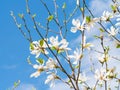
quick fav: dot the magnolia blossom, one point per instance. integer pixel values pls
(51, 64)
(36, 48)
(77, 25)
(111, 73)
(87, 45)
(101, 75)
(113, 31)
(106, 16)
(51, 78)
(103, 58)
(59, 46)
(76, 56)
(91, 22)
(82, 78)
(40, 68)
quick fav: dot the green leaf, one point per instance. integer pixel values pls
(16, 83)
(53, 48)
(77, 66)
(102, 30)
(60, 51)
(114, 8)
(40, 61)
(34, 15)
(50, 18)
(64, 5)
(41, 42)
(87, 45)
(31, 46)
(118, 46)
(20, 15)
(82, 9)
(96, 36)
(88, 19)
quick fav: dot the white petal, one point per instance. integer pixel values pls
(73, 29)
(117, 24)
(35, 74)
(35, 66)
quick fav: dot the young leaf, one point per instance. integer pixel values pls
(64, 5)
(50, 18)
(34, 15)
(88, 19)
(118, 46)
(102, 30)
(16, 83)
(20, 15)
(96, 36)
(53, 48)
(40, 61)
(41, 42)
(31, 46)
(114, 8)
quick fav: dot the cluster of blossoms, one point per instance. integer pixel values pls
(37, 47)
(105, 75)
(89, 23)
(54, 46)
(50, 65)
(41, 46)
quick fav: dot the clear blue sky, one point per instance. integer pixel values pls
(14, 49)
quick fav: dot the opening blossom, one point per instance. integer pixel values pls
(113, 31)
(51, 64)
(101, 75)
(40, 68)
(36, 48)
(106, 16)
(76, 56)
(51, 79)
(82, 78)
(59, 46)
(77, 25)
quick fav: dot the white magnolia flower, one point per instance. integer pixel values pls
(111, 73)
(36, 48)
(90, 22)
(51, 64)
(40, 68)
(77, 25)
(101, 75)
(59, 46)
(106, 16)
(103, 58)
(87, 45)
(51, 78)
(54, 41)
(113, 31)
(82, 78)
(76, 56)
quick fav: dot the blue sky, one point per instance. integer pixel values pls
(14, 49)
